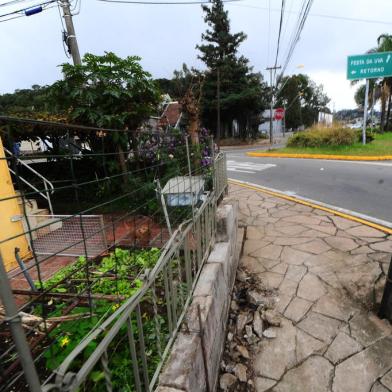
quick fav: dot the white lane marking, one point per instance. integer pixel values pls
(370, 163)
(247, 167)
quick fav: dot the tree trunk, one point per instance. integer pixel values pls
(383, 106)
(123, 164)
(389, 111)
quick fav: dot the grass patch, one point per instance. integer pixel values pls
(381, 145)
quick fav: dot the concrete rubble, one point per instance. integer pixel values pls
(303, 310)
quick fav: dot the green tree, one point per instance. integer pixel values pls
(242, 95)
(107, 91)
(25, 100)
(384, 44)
(303, 99)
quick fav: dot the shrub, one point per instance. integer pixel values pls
(319, 137)
(369, 135)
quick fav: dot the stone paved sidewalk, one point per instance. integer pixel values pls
(325, 275)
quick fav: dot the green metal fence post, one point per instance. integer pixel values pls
(13, 318)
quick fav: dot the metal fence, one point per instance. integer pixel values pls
(127, 350)
(61, 234)
(160, 304)
(220, 175)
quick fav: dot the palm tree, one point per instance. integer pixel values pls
(384, 44)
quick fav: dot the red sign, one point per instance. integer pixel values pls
(279, 114)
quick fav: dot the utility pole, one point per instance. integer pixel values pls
(71, 41)
(272, 100)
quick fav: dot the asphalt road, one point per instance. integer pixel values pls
(363, 187)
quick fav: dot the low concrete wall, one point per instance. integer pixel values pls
(185, 368)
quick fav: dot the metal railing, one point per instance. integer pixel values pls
(159, 305)
(220, 175)
(49, 188)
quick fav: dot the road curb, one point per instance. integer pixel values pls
(375, 223)
(320, 156)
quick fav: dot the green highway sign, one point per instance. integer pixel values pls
(368, 66)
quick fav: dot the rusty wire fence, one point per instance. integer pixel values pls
(93, 294)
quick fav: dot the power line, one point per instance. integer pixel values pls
(336, 17)
(28, 8)
(12, 2)
(280, 31)
(297, 35)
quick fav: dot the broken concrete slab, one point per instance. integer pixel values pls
(297, 309)
(307, 345)
(319, 326)
(342, 347)
(311, 376)
(275, 356)
(359, 372)
(311, 288)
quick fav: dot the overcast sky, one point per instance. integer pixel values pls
(165, 37)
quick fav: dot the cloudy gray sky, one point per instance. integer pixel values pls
(165, 37)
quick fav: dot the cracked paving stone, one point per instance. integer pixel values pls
(335, 307)
(359, 281)
(291, 229)
(320, 327)
(327, 228)
(316, 247)
(365, 231)
(251, 246)
(367, 328)
(252, 265)
(303, 219)
(342, 223)
(387, 380)
(342, 347)
(280, 268)
(385, 246)
(378, 387)
(288, 287)
(295, 272)
(271, 280)
(275, 356)
(311, 376)
(293, 256)
(307, 345)
(362, 250)
(282, 303)
(269, 252)
(254, 233)
(341, 243)
(311, 288)
(359, 372)
(264, 384)
(323, 263)
(297, 309)
(288, 241)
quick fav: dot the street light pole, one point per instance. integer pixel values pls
(272, 100)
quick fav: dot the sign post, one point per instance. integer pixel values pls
(369, 66)
(365, 111)
(279, 114)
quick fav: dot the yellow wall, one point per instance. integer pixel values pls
(8, 209)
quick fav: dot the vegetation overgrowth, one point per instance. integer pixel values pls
(380, 146)
(118, 274)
